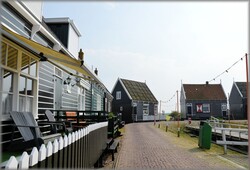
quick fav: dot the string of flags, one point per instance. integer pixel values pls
(226, 71)
(171, 97)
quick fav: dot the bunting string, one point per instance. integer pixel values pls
(226, 71)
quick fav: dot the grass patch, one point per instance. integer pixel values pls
(188, 140)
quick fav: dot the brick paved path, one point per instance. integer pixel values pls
(145, 146)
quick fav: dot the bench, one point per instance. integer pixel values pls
(113, 148)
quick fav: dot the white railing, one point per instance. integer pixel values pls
(229, 131)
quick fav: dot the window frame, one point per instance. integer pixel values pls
(118, 95)
(145, 107)
(206, 105)
(17, 74)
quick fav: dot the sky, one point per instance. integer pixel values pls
(162, 43)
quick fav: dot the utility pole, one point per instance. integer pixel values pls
(160, 111)
(178, 129)
(177, 101)
(248, 106)
(160, 106)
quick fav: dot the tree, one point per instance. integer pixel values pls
(175, 115)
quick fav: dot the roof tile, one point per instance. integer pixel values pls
(204, 92)
(139, 90)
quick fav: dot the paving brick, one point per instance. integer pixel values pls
(146, 146)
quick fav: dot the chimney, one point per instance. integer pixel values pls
(207, 82)
(81, 55)
(96, 71)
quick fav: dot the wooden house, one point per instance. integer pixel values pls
(238, 101)
(41, 69)
(200, 101)
(133, 100)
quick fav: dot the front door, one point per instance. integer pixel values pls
(58, 93)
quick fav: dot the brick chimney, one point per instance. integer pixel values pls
(81, 55)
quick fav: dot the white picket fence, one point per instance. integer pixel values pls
(47, 156)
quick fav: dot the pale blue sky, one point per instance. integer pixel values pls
(162, 43)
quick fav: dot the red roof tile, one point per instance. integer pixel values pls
(204, 92)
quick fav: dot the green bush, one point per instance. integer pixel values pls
(175, 115)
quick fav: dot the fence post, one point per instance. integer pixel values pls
(24, 161)
(65, 151)
(73, 151)
(42, 156)
(77, 147)
(55, 155)
(12, 163)
(87, 154)
(224, 140)
(34, 158)
(60, 153)
(69, 148)
(49, 155)
(81, 148)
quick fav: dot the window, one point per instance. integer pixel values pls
(7, 91)
(18, 79)
(203, 108)
(29, 65)
(155, 109)
(98, 102)
(189, 109)
(206, 108)
(81, 99)
(118, 95)
(26, 94)
(145, 109)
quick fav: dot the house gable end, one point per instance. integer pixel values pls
(120, 87)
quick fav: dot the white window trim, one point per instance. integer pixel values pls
(81, 93)
(17, 73)
(206, 105)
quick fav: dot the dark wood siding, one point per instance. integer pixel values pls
(215, 108)
(125, 103)
(237, 104)
(61, 30)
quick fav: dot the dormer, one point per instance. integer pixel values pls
(66, 32)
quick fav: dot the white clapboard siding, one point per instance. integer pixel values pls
(12, 163)
(24, 161)
(33, 157)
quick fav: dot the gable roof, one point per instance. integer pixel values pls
(204, 92)
(138, 90)
(242, 86)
